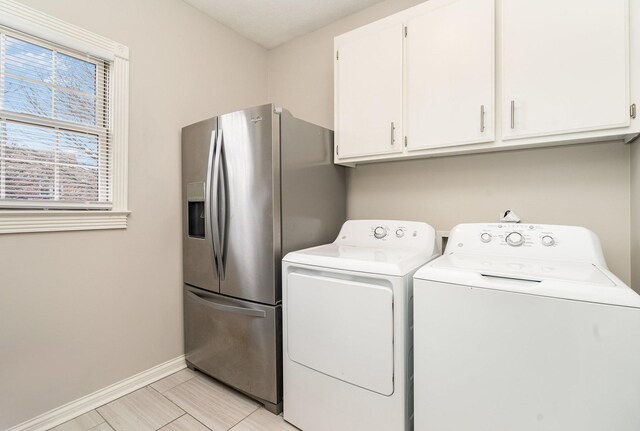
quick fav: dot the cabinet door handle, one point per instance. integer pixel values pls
(481, 118)
(513, 114)
(393, 133)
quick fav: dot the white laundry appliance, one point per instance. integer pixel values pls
(523, 327)
(347, 342)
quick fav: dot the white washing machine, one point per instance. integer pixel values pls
(346, 316)
(523, 327)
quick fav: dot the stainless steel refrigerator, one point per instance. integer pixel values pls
(256, 184)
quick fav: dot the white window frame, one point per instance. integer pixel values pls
(30, 21)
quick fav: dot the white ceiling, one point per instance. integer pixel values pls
(273, 22)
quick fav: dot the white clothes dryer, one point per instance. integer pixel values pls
(347, 342)
(523, 327)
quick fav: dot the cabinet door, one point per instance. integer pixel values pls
(564, 66)
(369, 94)
(450, 75)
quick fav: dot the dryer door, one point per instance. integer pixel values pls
(342, 328)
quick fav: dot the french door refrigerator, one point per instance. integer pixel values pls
(256, 184)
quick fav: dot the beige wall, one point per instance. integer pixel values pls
(579, 185)
(80, 311)
(584, 185)
(635, 215)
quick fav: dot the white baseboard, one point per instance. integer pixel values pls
(89, 402)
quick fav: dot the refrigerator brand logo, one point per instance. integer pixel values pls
(254, 120)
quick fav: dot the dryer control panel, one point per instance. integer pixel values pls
(384, 230)
(386, 234)
(527, 240)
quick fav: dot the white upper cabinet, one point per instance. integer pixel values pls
(450, 77)
(369, 93)
(449, 66)
(565, 66)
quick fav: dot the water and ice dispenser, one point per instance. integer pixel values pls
(195, 198)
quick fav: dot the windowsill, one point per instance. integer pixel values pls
(23, 221)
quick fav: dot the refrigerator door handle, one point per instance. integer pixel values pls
(216, 206)
(228, 308)
(208, 231)
(222, 214)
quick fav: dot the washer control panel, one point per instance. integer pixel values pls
(518, 235)
(526, 240)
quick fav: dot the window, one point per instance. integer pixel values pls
(63, 125)
(54, 126)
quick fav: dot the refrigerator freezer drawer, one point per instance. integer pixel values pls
(234, 341)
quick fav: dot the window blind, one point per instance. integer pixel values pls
(54, 126)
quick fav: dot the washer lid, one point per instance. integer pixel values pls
(578, 281)
(385, 261)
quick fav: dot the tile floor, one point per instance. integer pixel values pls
(184, 401)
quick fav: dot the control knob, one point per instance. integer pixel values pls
(515, 239)
(379, 232)
(548, 241)
(399, 233)
(485, 237)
